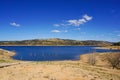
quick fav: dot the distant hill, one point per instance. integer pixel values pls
(56, 42)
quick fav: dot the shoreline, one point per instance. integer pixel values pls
(10, 54)
(56, 70)
(95, 47)
(109, 47)
(7, 51)
(6, 56)
(48, 45)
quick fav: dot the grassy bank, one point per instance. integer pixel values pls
(6, 56)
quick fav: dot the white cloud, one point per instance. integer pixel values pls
(56, 25)
(76, 22)
(56, 31)
(15, 24)
(86, 17)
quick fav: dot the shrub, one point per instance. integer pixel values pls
(113, 59)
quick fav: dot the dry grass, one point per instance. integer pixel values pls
(6, 56)
(60, 70)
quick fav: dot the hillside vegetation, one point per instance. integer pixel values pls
(117, 44)
(56, 41)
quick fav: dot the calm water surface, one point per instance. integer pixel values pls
(51, 53)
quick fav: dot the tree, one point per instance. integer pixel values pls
(92, 58)
(117, 44)
(113, 59)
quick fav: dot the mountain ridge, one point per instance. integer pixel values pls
(56, 42)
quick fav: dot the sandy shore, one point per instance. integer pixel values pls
(57, 70)
(63, 70)
(109, 47)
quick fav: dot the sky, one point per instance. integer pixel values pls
(65, 19)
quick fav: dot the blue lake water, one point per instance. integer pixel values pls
(51, 53)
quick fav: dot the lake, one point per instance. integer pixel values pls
(51, 53)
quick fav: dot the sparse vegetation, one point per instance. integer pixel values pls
(92, 59)
(108, 60)
(59, 70)
(117, 44)
(3, 60)
(113, 59)
(5, 56)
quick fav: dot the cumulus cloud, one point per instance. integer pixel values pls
(15, 24)
(56, 31)
(76, 22)
(86, 17)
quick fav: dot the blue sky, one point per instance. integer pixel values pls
(66, 19)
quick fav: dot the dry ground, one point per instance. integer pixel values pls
(109, 47)
(57, 70)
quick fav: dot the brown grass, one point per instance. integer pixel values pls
(60, 70)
